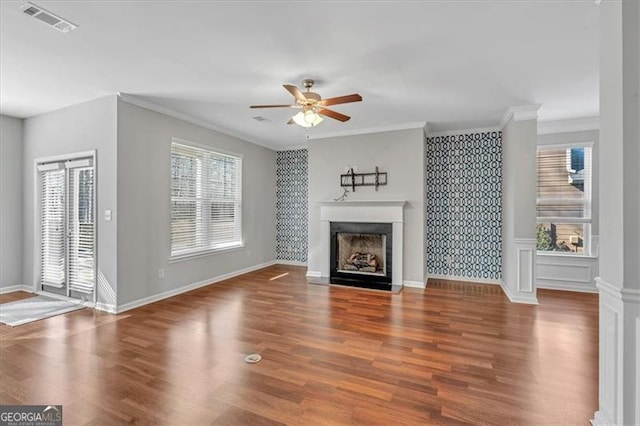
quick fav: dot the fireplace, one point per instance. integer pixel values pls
(322, 264)
(361, 254)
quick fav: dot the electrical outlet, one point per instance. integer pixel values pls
(449, 259)
(161, 273)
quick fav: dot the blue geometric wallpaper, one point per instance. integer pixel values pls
(291, 205)
(463, 215)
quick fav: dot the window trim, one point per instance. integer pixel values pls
(588, 202)
(199, 252)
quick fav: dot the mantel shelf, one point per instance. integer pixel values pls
(364, 203)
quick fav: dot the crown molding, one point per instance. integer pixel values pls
(291, 147)
(564, 126)
(463, 131)
(520, 113)
(143, 103)
(369, 130)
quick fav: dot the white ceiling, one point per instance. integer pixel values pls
(451, 64)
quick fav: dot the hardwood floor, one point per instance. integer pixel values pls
(452, 354)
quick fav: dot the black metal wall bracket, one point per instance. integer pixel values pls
(352, 179)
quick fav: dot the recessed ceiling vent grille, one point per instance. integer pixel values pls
(47, 17)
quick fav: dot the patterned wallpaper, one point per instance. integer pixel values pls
(463, 215)
(291, 205)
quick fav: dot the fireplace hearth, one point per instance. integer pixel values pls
(361, 254)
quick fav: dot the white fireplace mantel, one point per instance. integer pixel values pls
(366, 212)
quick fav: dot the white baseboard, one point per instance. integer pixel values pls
(106, 307)
(465, 279)
(565, 287)
(414, 284)
(13, 288)
(170, 293)
(517, 298)
(599, 419)
(290, 262)
(314, 274)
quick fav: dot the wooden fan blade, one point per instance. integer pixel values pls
(341, 100)
(333, 114)
(295, 92)
(273, 106)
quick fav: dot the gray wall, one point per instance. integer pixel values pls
(292, 205)
(144, 142)
(400, 154)
(83, 127)
(582, 137)
(10, 201)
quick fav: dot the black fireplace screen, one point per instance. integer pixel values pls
(361, 252)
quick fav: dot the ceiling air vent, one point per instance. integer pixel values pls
(47, 17)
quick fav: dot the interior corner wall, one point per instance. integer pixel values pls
(400, 154)
(10, 201)
(84, 127)
(144, 213)
(464, 205)
(292, 205)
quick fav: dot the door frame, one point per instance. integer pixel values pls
(37, 235)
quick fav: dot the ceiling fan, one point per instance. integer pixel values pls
(313, 106)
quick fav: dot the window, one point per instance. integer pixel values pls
(205, 200)
(564, 199)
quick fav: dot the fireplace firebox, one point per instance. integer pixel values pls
(361, 254)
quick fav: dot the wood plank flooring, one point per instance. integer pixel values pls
(452, 354)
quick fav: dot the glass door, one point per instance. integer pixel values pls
(68, 228)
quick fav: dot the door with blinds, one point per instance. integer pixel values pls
(67, 228)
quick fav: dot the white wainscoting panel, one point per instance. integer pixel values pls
(610, 385)
(567, 272)
(525, 289)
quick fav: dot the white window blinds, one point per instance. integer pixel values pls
(52, 227)
(80, 225)
(206, 195)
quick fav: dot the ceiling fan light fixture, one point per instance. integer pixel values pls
(313, 106)
(307, 118)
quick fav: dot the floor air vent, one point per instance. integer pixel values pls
(47, 17)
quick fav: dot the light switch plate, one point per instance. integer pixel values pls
(107, 215)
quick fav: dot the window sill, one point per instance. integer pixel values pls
(569, 255)
(203, 253)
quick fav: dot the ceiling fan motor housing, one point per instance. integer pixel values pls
(312, 96)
